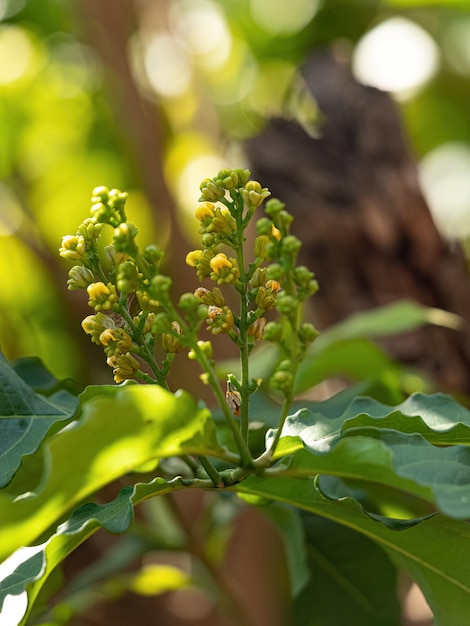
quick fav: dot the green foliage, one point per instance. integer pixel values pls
(394, 476)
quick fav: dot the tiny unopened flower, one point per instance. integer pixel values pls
(79, 277)
(125, 366)
(256, 330)
(100, 194)
(116, 341)
(224, 270)
(286, 304)
(94, 325)
(253, 194)
(124, 236)
(113, 257)
(73, 247)
(276, 233)
(266, 297)
(274, 207)
(205, 347)
(128, 277)
(261, 247)
(170, 342)
(204, 213)
(219, 320)
(307, 333)
(148, 321)
(227, 179)
(146, 301)
(102, 297)
(188, 302)
(273, 331)
(260, 276)
(290, 245)
(89, 230)
(200, 259)
(210, 191)
(208, 297)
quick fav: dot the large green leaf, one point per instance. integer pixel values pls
(437, 417)
(116, 517)
(347, 566)
(120, 429)
(26, 418)
(408, 463)
(435, 551)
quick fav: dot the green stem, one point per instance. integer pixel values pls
(207, 366)
(211, 472)
(137, 336)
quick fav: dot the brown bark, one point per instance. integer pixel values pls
(366, 229)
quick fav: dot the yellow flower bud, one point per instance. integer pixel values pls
(193, 257)
(102, 296)
(205, 212)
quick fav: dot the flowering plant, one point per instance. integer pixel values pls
(394, 477)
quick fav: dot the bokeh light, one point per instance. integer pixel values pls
(397, 56)
(283, 18)
(445, 178)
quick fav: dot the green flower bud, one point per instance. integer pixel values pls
(100, 194)
(286, 304)
(275, 271)
(282, 380)
(128, 277)
(273, 331)
(256, 330)
(260, 277)
(273, 207)
(113, 257)
(285, 220)
(125, 366)
(307, 333)
(243, 175)
(206, 349)
(124, 236)
(253, 194)
(170, 342)
(227, 179)
(214, 297)
(146, 300)
(189, 303)
(290, 245)
(261, 247)
(160, 287)
(94, 325)
(302, 276)
(264, 226)
(219, 320)
(162, 323)
(153, 255)
(210, 191)
(79, 277)
(116, 341)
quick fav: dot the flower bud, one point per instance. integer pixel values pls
(79, 277)
(256, 330)
(210, 191)
(307, 333)
(94, 325)
(170, 342)
(286, 304)
(188, 303)
(214, 297)
(219, 320)
(128, 277)
(73, 247)
(253, 194)
(124, 236)
(273, 207)
(224, 270)
(102, 297)
(125, 366)
(273, 331)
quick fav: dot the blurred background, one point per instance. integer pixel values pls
(152, 96)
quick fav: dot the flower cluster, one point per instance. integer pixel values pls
(270, 286)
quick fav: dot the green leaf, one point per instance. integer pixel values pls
(120, 429)
(346, 348)
(348, 566)
(286, 520)
(437, 417)
(115, 517)
(377, 446)
(25, 419)
(356, 358)
(405, 462)
(435, 552)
